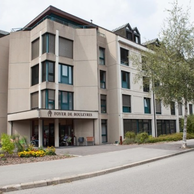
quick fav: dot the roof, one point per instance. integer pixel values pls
(53, 10)
(120, 27)
(151, 42)
(4, 32)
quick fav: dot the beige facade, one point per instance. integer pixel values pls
(63, 75)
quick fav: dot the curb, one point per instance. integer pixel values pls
(61, 180)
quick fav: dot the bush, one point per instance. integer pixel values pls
(7, 143)
(128, 141)
(50, 151)
(20, 142)
(141, 137)
(190, 124)
(130, 135)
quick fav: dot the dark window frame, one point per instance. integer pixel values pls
(124, 54)
(102, 79)
(125, 79)
(103, 99)
(102, 57)
(47, 75)
(35, 75)
(69, 104)
(126, 105)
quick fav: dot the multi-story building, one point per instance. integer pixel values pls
(63, 75)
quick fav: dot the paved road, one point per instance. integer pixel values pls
(168, 176)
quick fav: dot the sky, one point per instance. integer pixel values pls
(147, 15)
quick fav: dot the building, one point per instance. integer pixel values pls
(63, 75)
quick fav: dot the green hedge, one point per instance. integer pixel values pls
(145, 138)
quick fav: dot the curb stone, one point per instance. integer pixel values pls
(61, 180)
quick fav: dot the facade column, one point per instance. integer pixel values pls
(56, 132)
(96, 130)
(9, 127)
(40, 70)
(56, 69)
(40, 133)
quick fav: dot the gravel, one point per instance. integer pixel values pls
(15, 159)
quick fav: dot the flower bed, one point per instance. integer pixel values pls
(32, 153)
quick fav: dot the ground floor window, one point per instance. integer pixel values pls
(104, 131)
(34, 133)
(166, 127)
(137, 126)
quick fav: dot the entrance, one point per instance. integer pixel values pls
(49, 135)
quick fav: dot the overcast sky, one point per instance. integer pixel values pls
(146, 15)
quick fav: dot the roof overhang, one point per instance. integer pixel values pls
(52, 114)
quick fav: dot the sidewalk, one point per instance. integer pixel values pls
(91, 161)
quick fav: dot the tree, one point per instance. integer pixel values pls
(171, 62)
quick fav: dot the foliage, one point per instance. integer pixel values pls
(32, 153)
(190, 124)
(20, 142)
(170, 62)
(50, 151)
(128, 141)
(7, 143)
(130, 134)
(169, 137)
(141, 137)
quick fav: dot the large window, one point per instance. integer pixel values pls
(166, 127)
(48, 99)
(104, 131)
(48, 43)
(190, 109)
(125, 79)
(147, 107)
(65, 100)
(146, 84)
(34, 100)
(35, 49)
(158, 106)
(137, 125)
(65, 74)
(180, 108)
(126, 103)
(102, 56)
(124, 56)
(65, 48)
(103, 103)
(102, 79)
(172, 108)
(34, 75)
(48, 71)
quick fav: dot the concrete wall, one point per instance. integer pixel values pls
(19, 72)
(4, 61)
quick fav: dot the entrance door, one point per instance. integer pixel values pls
(49, 135)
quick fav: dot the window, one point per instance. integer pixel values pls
(172, 108)
(34, 100)
(102, 56)
(158, 106)
(48, 43)
(34, 75)
(146, 84)
(190, 109)
(126, 103)
(124, 56)
(143, 62)
(166, 127)
(104, 131)
(35, 49)
(103, 103)
(125, 79)
(147, 108)
(180, 108)
(102, 79)
(48, 71)
(65, 74)
(65, 48)
(48, 99)
(137, 126)
(65, 100)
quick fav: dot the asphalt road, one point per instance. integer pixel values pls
(167, 176)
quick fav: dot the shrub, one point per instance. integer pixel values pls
(128, 141)
(190, 124)
(7, 143)
(141, 138)
(50, 151)
(20, 142)
(130, 135)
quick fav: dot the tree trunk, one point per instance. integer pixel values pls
(184, 144)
